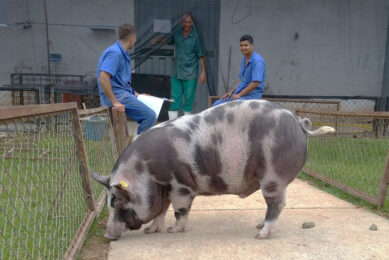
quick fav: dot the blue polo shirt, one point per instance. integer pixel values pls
(255, 70)
(116, 61)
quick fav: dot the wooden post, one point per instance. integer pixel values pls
(48, 54)
(380, 123)
(212, 99)
(383, 184)
(115, 128)
(120, 130)
(81, 155)
(21, 97)
(336, 117)
(13, 97)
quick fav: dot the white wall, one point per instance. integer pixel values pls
(339, 52)
(25, 50)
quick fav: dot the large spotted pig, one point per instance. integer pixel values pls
(235, 148)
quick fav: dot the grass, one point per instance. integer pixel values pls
(384, 211)
(42, 202)
(356, 162)
(96, 246)
(40, 208)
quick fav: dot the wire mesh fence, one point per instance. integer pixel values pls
(45, 204)
(355, 158)
(46, 152)
(314, 104)
(99, 143)
(367, 104)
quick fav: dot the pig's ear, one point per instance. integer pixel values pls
(121, 181)
(101, 179)
(123, 188)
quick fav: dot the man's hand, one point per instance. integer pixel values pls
(120, 107)
(155, 40)
(236, 96)
(144, 94)
(203, 77)
(227, 95)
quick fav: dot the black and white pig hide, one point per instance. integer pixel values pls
(235, 148)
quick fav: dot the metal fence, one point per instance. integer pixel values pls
(35, 88)
(47, 201)
(317, 104)
(355, 158)
(343, 103)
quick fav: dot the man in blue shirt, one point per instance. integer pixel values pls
(114, 80)
(251, 77)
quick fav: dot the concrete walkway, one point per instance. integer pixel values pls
(223, 227)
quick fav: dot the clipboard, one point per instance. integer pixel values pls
(155, 103)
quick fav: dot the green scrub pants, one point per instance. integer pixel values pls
(179, 88)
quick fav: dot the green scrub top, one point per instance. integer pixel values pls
(188, 53)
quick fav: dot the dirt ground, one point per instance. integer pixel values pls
(96, 246)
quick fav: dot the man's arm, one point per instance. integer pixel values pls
(155, 40)
(203, 75)
(105, 83)
(253, 85)
(229, 93)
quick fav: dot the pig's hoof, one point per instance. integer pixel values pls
(151, 229)
(262, 234)
(175, 229)
(260, 225)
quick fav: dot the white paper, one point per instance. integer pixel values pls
(155, 103)
(162, 26)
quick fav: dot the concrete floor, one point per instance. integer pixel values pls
(223, 227)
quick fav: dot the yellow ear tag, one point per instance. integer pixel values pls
(124, 184)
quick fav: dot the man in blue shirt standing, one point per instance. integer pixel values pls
(251, 77)
(114, 80)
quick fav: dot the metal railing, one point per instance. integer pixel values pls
(34, 88)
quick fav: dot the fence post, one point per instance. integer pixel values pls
(336, 117)
(120, 129)
(81, 155)
(379, 123)
(383, 184)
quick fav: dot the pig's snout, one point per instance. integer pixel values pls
(110, 237)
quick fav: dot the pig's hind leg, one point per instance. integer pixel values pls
(274, 194)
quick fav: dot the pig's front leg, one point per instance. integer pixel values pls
(181, 205)
(158, 221)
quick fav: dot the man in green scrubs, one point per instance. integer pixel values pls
(186, 69)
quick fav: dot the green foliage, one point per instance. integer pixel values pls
(356, 162)
(42, 200)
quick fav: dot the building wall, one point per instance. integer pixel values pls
(327, 47)
(312, 48)
(24, 50)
